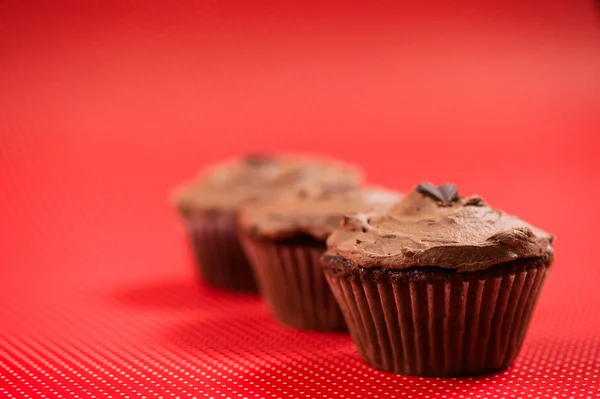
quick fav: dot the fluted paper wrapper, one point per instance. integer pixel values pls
(292, 283)
(469, 324)
(219, 256)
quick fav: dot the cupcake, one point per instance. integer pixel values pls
(209, 206)
(284, 240)
(439, 284)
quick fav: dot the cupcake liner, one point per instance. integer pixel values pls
(464, 324)
(292, 284)
(219, 256)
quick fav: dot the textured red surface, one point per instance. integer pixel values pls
(105, 107)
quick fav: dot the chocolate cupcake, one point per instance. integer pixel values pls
(439, 285)
(284, 240)
(209, 206)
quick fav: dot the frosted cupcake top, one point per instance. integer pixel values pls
(226, 187)
(315, 212)
(434, 226)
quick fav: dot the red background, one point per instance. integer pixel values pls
(105, 106)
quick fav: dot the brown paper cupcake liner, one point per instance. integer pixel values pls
(292, 283)
(449, 324)
(219, 256)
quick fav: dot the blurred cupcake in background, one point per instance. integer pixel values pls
(209, 206)
(284, 240)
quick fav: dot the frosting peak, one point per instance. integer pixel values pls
(442, 230)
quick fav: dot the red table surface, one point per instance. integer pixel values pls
(106, 106)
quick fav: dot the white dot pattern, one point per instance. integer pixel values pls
(178, 340)
(92, 304)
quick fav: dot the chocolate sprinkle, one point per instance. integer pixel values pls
(446, 193)
(258, 159)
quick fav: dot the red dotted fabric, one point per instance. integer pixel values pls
(106, 106)
(172, 339)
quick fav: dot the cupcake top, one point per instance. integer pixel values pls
(434, 226)
(226, 187)
(315, 213)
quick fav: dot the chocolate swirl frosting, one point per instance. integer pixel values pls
(255, 178)
(314, 211)
(433, 226)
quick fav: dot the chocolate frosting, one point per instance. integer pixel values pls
(437, 229)
(255, 178)
(315, 213)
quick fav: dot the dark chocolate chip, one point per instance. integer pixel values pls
(446, 193)
(258, 159)
(449, 191)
